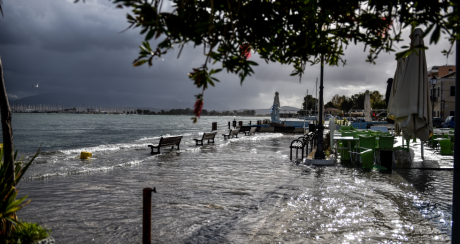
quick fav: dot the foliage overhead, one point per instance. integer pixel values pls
(294, 32)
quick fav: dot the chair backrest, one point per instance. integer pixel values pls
(367, 142)
(386, 142)
(347, 133)
(445, 145)
(345, 128)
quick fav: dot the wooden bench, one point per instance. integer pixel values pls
(206, 136)
(231, 134)
(244, 129)
(251, 131)
(165, 142)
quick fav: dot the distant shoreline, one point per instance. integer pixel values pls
(121, 113)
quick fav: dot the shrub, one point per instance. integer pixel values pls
(9, 205)
(27, 233)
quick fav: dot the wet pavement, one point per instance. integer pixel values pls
(245, 190)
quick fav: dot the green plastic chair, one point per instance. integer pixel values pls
(344, 151)
(367, 158)
(366, 144)
(432, 142)
(386, 143)
(345, 128)
(446, 147)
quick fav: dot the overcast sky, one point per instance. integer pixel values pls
(78, 48)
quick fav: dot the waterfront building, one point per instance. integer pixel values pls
(442, 92)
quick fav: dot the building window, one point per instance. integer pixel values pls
(452, 113)
(450, 71)
(452, 91)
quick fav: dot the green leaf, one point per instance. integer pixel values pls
(139, 63)
(436, 34)
(403, 54)
(150, 35)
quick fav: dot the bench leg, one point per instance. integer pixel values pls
(158, 151)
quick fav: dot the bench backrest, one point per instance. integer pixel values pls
(170, 141)
(245, 128)
(234, 132)
(210, 135)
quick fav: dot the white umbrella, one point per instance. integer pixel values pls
(411, 104)
(275, 113)
(400, 67)
(367, 107)
(398, 76)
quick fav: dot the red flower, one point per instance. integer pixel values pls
(245, 51)
(198, 107)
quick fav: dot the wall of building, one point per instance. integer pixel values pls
(444, 104)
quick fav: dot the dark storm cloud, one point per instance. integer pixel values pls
(78, 48)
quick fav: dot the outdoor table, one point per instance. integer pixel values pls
(343, 138)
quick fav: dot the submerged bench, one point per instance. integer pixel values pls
(251, 131)
(165, 142)
(244, 129)
(206, 136)
(231, 134)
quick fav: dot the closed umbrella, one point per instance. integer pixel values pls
(367, 107)
(275, 112)
(398, 76)
(411, 105)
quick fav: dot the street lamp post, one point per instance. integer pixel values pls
(319, 154)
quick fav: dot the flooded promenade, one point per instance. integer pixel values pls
(242, 190)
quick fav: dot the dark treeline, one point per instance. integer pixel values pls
(189, 111)
(346, 103)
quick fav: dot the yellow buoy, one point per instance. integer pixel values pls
(85, 155)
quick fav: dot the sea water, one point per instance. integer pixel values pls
(242, 190)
